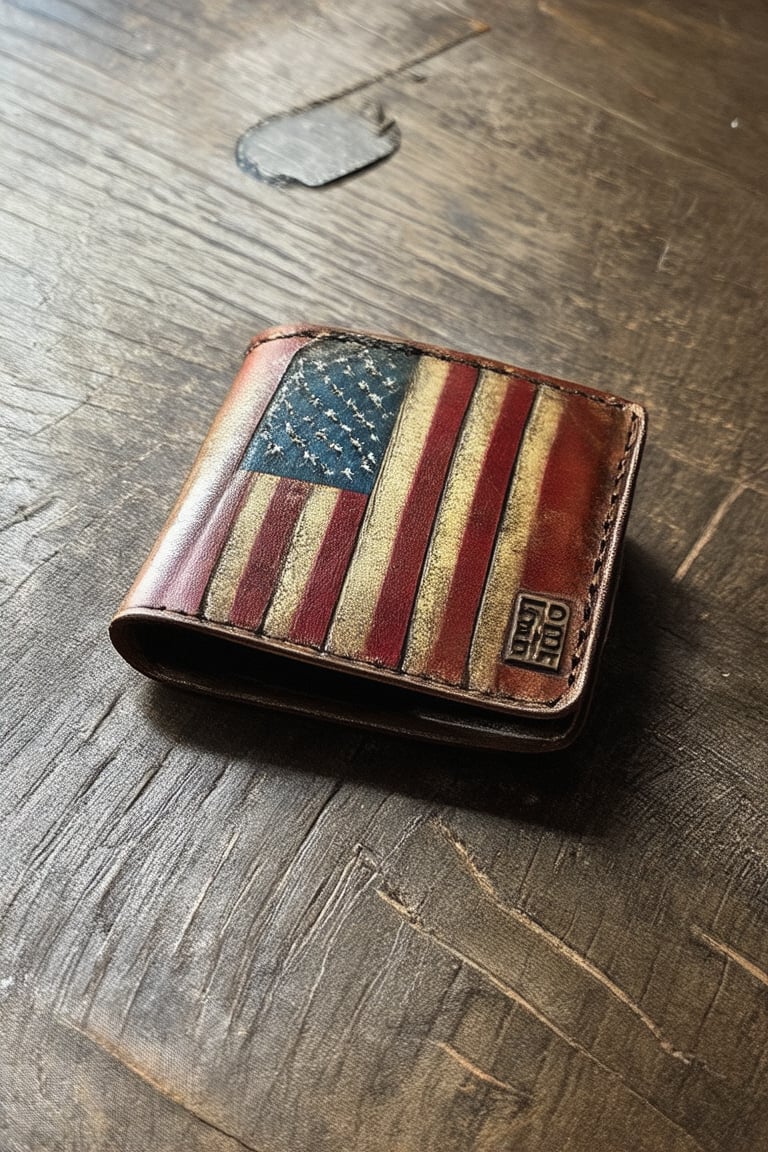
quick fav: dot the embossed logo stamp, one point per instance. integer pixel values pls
(537, 636)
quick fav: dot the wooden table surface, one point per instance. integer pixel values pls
(222, 929)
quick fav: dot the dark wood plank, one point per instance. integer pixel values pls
(224, 929)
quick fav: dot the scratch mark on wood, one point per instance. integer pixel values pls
(28, 512)
(241, 897)
(272, 898)
(711, 527)
(526, 921)
(135, 992)
(711, 1006)
(692, 206)
(321, 813)
(164, 1090)
(205, 889)
(145, 782)
(103, 717)
(371, 987)
(473, 28)
(730, 953)
(663, 257)
(473, 1069)
(414, 920)
(222, 935)
(361, 856)
(25, 579)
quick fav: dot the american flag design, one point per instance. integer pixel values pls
(385, 505)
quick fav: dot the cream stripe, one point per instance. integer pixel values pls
(222, 589)
(452, 519)
(509, 555)
(362, 587)
(300, 559)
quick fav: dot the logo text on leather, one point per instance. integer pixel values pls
(537, 636)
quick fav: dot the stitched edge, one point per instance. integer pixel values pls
(436, 354)
(598, 567)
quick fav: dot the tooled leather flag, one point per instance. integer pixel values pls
(397, 509)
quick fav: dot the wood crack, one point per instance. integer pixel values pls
(411, 917)
(28, 512)
(163, 1090)
(730, 953)
(708, 532)
(553, 941)
(205, 890)
(103, 716)
(474, 28)
(474, 1069)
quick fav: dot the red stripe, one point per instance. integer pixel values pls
(449, 655)
(313, 615)
(177, 572)
(560, 558)
(189, 578)
(265, 561)
(393, 609)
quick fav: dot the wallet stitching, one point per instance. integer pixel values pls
(450, 357)
(598, 568)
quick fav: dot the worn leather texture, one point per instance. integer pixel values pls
(394, 535)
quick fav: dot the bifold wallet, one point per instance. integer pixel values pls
(395, 536)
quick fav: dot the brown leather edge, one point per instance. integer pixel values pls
(418, 717)
(286, 331)
(597, 613)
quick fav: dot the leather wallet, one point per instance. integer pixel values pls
(396, 536)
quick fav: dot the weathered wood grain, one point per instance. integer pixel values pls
(222, 929)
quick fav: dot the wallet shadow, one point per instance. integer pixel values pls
(575, 789)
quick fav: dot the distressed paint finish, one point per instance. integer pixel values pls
(305, 558)
(233, 557)
(516, 530)
(465, 528)
(209, 496)
(360, 594)
(469, 486)
(225, 930)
